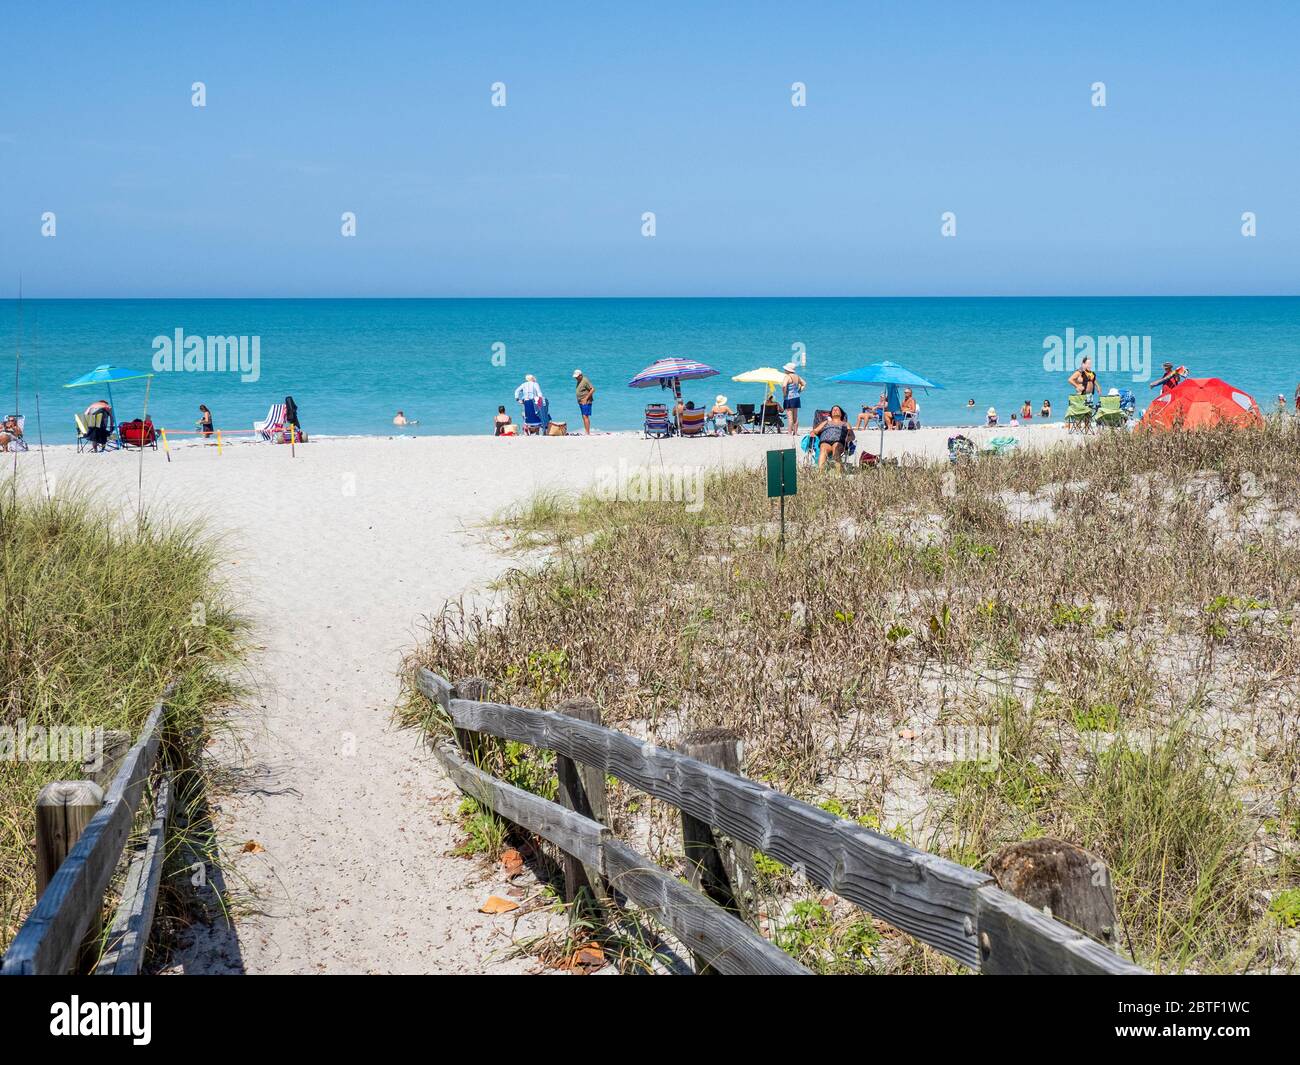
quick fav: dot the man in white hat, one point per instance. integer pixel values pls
(586, 391)
(791, 388)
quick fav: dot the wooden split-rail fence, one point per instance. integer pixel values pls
(957, 910)
(81, 834)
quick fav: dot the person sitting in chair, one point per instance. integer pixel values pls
(834, 435)
(99, 424)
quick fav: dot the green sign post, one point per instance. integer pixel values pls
(782, 478)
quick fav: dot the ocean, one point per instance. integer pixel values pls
(351, 364)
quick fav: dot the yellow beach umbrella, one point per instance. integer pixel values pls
(764, 375)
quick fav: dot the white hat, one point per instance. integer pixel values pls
(577, 373)
(1113, 392)
(529, 377)
(992, 410)
(721, 401)
(789, 367)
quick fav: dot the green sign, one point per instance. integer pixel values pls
(782, 479)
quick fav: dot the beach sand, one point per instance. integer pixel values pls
(334, 555)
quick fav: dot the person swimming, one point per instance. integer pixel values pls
(400, 418)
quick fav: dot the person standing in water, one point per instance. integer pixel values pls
(586, 392)
(791, 389)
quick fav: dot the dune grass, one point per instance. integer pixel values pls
(96, 615)
(1122, 614)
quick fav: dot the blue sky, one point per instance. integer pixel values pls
(384, 109)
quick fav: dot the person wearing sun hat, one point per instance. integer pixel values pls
(791, 388)
(723, 417)
(586, 391)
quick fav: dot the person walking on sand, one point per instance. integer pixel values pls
(204, 425)
(529, 394)
(791, 389)
(586, 392)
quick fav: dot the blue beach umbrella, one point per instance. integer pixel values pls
(892, 376)
(106, 375)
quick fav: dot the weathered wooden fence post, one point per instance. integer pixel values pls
(708, 868)
(1061, 880)
(582, 789)
(471, 743)
(63, 810)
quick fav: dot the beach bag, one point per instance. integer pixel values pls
(557, 429)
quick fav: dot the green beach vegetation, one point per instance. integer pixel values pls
(1119, 616)
(98, 611)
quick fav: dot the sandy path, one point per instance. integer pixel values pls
(335, 555)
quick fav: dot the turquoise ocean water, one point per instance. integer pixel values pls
(350, 364)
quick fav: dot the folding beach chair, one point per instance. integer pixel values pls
(1111, 413)
(83, 433)
(692, 422)
(770, 415)
(657, 423)
(137, 433)
(16, 442)
(1078, 415)
(745, 416)
(272, 424)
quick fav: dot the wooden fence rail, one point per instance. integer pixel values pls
(51, 939)
(955, 909)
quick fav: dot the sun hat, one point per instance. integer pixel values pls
(993, 410)
(577, 373)
(789, 367)
(721, 401)
(529, 377)
(1113, 392)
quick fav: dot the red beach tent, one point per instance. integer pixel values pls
(1199, 402)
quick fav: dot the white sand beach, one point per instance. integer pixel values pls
(334, 555)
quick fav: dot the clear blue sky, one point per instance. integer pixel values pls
(682, 109)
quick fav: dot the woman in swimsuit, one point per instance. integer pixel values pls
(833, 436)
(1083, 380)
(791, 389)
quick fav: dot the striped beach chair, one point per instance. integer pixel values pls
(693, 422)
(657, 423)
(272, 424)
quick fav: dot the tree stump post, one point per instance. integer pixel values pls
(1063, 881)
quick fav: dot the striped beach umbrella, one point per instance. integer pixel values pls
(671, 371)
